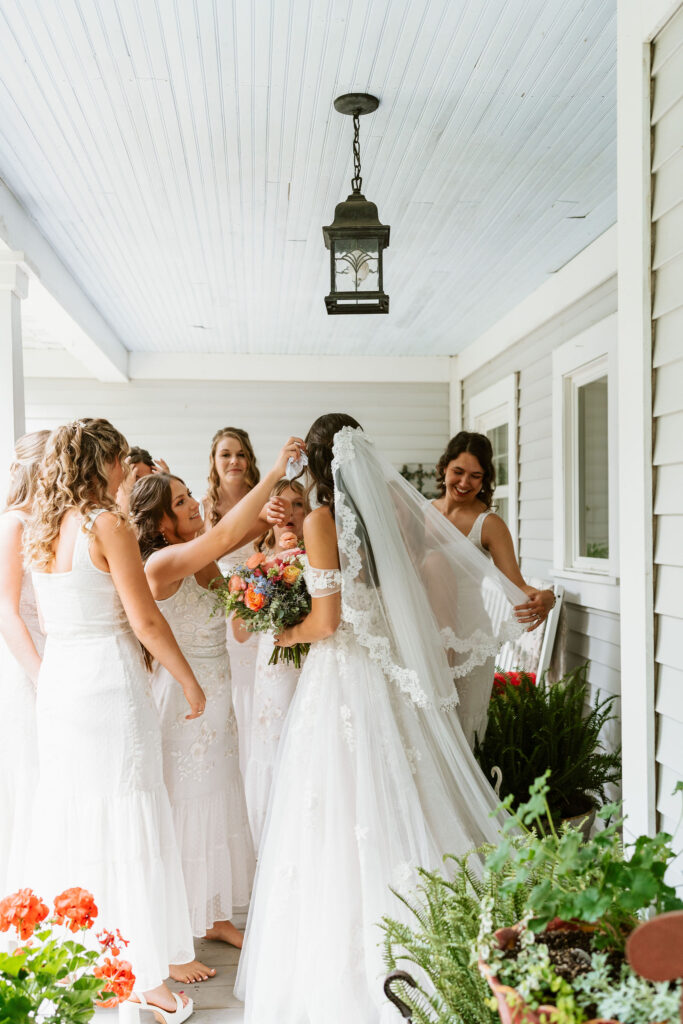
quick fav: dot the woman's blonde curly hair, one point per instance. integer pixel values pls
(74, 473)
(252, 475)
(24, 469)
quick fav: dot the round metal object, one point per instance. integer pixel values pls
(356, 103)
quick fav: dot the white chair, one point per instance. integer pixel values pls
(533, 651)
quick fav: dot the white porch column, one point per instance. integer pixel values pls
(13, 288)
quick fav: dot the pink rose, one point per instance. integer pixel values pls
(235, 584)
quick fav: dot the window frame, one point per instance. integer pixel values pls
(587, 357)
(493, 407)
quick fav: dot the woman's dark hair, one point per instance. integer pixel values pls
(137, 455)
(150, 500)
(319, 440)
(474, 444)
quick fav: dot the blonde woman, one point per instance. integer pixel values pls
(233, 472)
(201, 765)
(102, 817)
(274, 685)
(21, 649)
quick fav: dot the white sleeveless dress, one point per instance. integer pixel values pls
(361, 797)
(274, 687)
(102, 818)
(242, 663)
(474, 689)
(19, 747)
(201, 764)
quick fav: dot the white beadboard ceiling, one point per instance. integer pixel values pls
(181, 157)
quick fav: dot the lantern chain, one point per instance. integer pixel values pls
(356, 181)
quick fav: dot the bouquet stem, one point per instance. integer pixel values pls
(289, 655)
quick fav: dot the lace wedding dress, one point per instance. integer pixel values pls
(242, 663)
(19, 747)
(274, 687)
(374, 776)
(201, 764)
(102, 818)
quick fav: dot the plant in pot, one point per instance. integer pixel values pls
(564, 961)
(538, 727)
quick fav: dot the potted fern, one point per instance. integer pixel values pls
(538, 727)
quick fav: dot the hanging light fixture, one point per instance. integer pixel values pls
(355, 238)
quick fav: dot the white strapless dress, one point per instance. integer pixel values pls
(242, 663)
(19, 747)
(102, 818)
(201, 764)
(366, 789)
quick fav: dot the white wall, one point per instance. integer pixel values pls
(176, 419)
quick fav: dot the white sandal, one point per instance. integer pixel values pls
(129, 1012)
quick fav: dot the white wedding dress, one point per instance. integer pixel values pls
(274, 687)
(201, 764)
(374, 776)
(242, 663)
(19, 746)
(102, 819)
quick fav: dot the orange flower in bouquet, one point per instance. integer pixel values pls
(253, 600)
(119, 978)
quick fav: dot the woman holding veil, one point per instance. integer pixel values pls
(374, 775)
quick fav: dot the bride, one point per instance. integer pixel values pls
(374, 775)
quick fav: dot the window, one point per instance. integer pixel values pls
(584, 458)
(494, 412)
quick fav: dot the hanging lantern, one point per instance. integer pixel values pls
(355, 238)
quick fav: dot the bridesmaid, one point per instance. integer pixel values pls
(21, 649)
(274, 685)
(466, 477)
(102, 818)
(201, 765)
(233, 472)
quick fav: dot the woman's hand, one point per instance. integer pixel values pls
(160, 466)
(291, 450)
(536, 609)
(194, 695)
(274, 512)
(284, 639)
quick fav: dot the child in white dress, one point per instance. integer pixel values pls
(274, 685)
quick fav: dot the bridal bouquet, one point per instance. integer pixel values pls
(269, 592)
(52, 979)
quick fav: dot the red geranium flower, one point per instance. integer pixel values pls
(503, 679)
(120, 980)
(75, 907)
(24, 911)
(112, 941)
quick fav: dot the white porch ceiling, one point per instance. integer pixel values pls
(181, 156)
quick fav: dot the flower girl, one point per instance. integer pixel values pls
(274, 685)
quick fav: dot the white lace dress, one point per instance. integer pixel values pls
(274, 687)
(361, 797)
(19, 746)
(475, 688)
(242, 663)
(102, 818)
(201, 765)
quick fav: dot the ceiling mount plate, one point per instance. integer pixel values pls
(356, 103)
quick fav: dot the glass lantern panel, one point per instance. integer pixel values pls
(356, 265)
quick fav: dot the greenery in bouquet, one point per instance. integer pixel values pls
(268, 593)
(53, 979)
(536, 726)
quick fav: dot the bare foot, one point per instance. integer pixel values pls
(161, 997)
(190, 973)
(225, 931)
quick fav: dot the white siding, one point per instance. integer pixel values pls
(667, 263)
(176, 419)
(589, 634)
